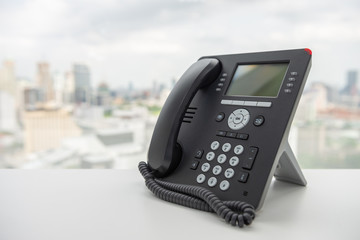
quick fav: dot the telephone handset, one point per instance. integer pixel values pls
(222, 133)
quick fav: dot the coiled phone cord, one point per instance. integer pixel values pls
(233, 212)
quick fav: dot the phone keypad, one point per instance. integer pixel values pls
(226, 166)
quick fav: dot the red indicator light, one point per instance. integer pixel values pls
(308, 51)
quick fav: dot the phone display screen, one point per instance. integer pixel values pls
(260, 80)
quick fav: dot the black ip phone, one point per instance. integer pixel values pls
(222, 133)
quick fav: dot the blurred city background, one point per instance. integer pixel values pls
(81, 85)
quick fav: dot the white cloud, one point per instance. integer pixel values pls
(116, 38)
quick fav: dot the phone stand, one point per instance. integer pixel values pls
(288, 168)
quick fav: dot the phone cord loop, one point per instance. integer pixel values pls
(233, 212)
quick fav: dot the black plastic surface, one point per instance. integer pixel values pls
(164, 152)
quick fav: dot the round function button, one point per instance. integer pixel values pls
(238, 119)
(220, 116)
(229, 173)
(217, 170)
(224, 185)
(200, 178)
(210, 156)
(234, 161)
(214, 145)
(221, 158)
(212, 181)
(205, 167)
(259, 120)
(226, 147)
(238, 149)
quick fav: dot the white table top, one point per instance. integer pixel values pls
(115, 204)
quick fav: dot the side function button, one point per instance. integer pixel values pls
(234, 161)
(226, 147)
(229, 173)
(289, 85)
(210, 156)
(221, 158)
(212, 181)
(242, 136)
(243, 177)
(200, 178)
(221, 133)
(238, 149)
(287, 90)
(205, 167)
(194, 165)
(220, 116)
(293, 73)
(291, 79)
(214, 145)
(199, 153)
(226, 102)
(249, 161)
(224, 185)
(217, 170)
(250, 103)
(264, 104)
(231, 134)
(259, 120)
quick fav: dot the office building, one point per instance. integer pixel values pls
(351, 88)
(47, 129)
(82, 83)
(8, 121)
(8, 78)
(45, 82)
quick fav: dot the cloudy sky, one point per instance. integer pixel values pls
(137, 41)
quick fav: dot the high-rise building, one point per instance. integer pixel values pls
(8, 121)
(82, 83)
(45, 82)
(351, 88)
(8, 78)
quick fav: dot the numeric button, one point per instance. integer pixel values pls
(205, 167)
(234, 161)
(238, 149)
(217, 170)
(200, 178)
(212, 181)
(224, 185)
(221, 158)
(214, 145)
(210, 156)
(229, 173)
(226, 147)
